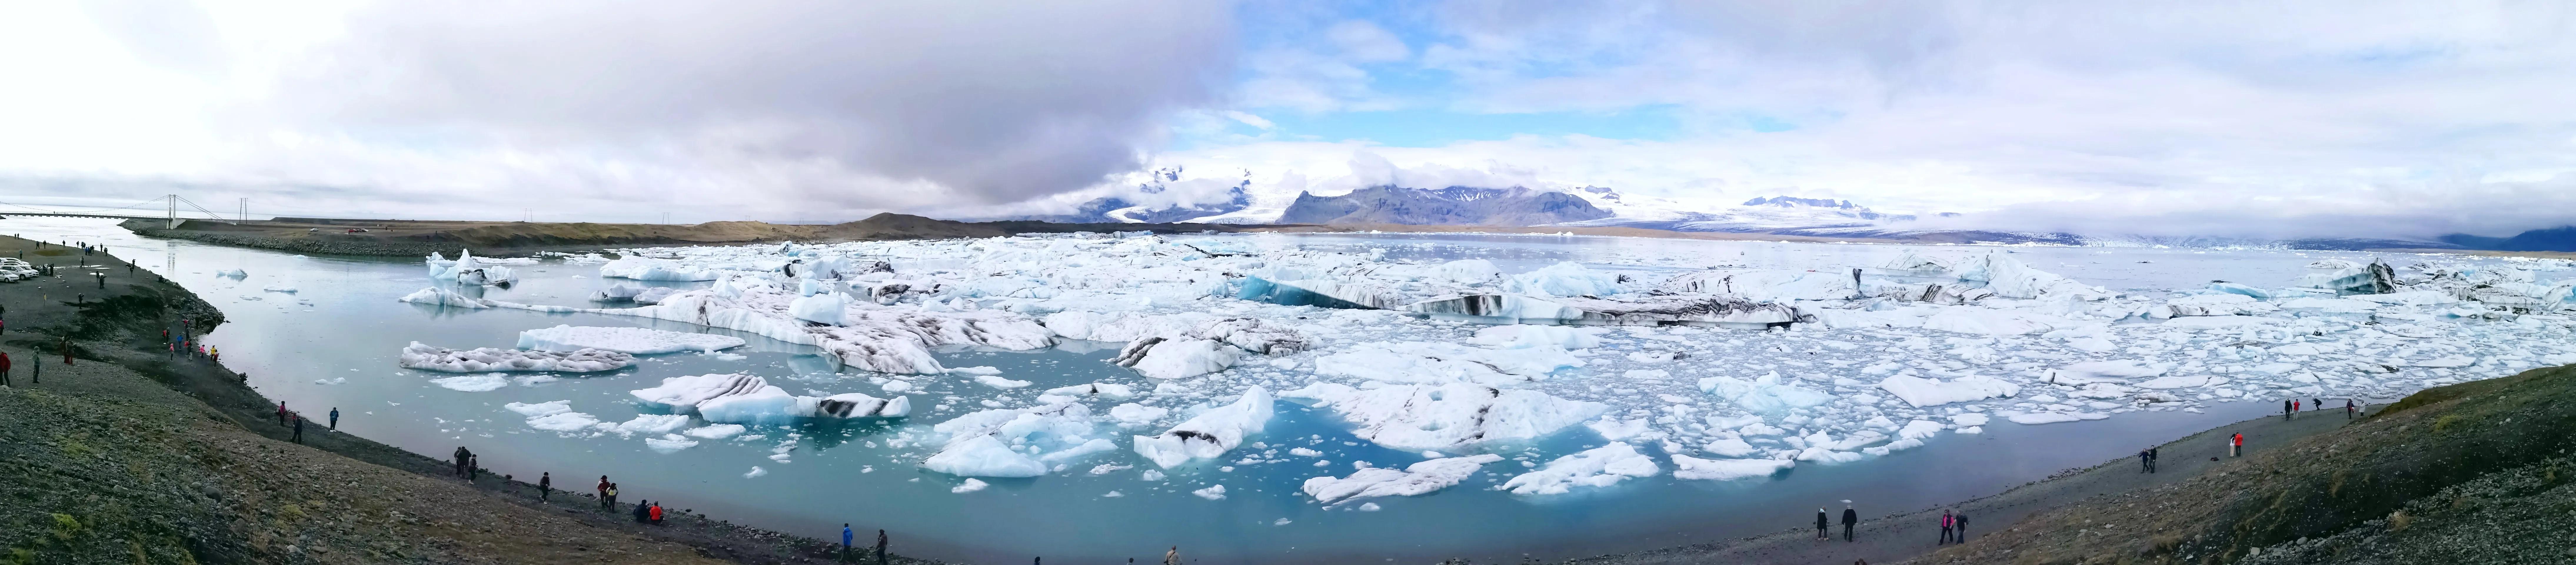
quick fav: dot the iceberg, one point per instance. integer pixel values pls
(425, 357)
(443, 297)
(2346, 278)
(1161, 358)
(885, 339)
(466, 270)
(1418, 479)
(1907, 261)
(1437, 363)
(827, 309)
(1696, 469)
(1768, 285)
(1765, 394)
(473, 383)
(1446, 416)
(747, 399)
(1597, 467)
(636, 341)
(539, 409)
(617, 293)
(2010, 278)
(1209, 434)
(1023, 442)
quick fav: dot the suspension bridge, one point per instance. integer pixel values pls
(166, 205)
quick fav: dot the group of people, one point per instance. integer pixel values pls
(294, 421)
(1954, 524)
(881, 545)
(2147, 460)
(2291, 407)
(466, 464)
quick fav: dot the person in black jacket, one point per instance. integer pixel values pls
(1850, 518)
(1821, 524)
(1961, 521)
(545, 485)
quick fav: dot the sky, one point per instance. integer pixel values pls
(2290, 118)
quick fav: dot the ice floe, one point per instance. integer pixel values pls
(636, 341)
(1597, 467)
(1419, 478)
(419, 356)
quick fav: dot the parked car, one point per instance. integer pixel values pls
(313, 230)
(357, 230)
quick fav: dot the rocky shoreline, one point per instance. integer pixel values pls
(127, 453)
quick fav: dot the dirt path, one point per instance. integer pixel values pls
(1886, 538)
(120, 360)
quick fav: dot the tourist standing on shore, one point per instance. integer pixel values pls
(2347, 408)
(2285, 409)
(281, 415)
(299, 428)
(4, 369)
(1821, 524)
(1850, 518)
(881, 544)
(2145, 465)
(1172, 557)
(846, 537)
(1962, 521)
(335, 418)
(545, 485)
(603, 492)
(2236, 445)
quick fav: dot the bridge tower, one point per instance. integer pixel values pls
(174, 212)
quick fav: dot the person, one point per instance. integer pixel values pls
(456, 467)
(603, 492)
(1821, 525)
(656, 515)
(845, 541)
(67, 352)
(473, 467)
(2285, 409)
(1850, 518)
(4, 369)
(2236, 445)
(545, 483)
(36, 372)
(2145, 465)
(612, 496)
(215, 354)
(335, 418)
(2296, 406)
(881, 544)
(299, 428)
(281, 420)
(1962, 521)
(2152, 456)
(1945, 528)
(2347, 403)
(1172, 557)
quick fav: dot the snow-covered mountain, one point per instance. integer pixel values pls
(1456, 205)
(1162, 197)
(1759, 215)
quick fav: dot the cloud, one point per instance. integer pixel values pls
(818, 106)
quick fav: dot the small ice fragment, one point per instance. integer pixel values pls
(971, 485)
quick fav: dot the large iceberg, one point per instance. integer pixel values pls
(1417, 479)
(1922, 392)
(1209, 434)
(2010, 278)
(1023, 442)
(1446, 416)
(747, 399)
(1764, 394)
(1692, 468)
(466, 270)
(1597, 467)
(425, 357)
(638, 341)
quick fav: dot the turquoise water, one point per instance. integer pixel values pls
(345, 324)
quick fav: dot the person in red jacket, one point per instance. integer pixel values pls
(4, 369)
(2236, 445)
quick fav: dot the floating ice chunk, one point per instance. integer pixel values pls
(443, 297)
(1213, 492)
(1161, 358)
(1919, 429)
(1565, 279)
(1821, 454)
(473, 383)
(620, 292)
(1448, 415)
(1118, 326)
(998, 382)
(1523, 336)
(232, 273)
(1328, 293)
(1614, 429)
(650, 269)
(652, 424)
(1692, 468)
(2215, 305)
(827, 309)
(1137, 414)
(1764, 394)
(971, 485)
(418, 356)
(1729, 447)
(714, 431)
(684, 393)
(669, 444)
(738, 398)
(1921, 392)
(1986, 321)
(2010, 278)
(1436, 363)
(2054, 417)
(1418, 479)
(983, 456)
(1112, 391)
(2375, 278)
(1597, 467)
(1908, 262)
(279, 287)
(1971, 419)
(1209, 434)
(638, 341)
(974, 371)
(564, 422)
(653, 295)
(540, 409)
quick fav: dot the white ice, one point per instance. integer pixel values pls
(1420, 478)
(418, 356)
(637, 341)
(1597, 467)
